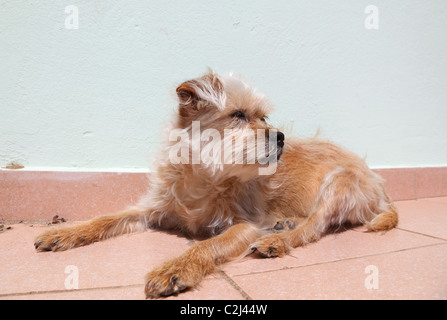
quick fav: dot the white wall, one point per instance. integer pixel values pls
(96, 97)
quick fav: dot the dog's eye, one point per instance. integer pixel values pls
(239, 114)
(263, 119)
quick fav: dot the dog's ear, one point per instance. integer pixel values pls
(187, 94)
(201, 92)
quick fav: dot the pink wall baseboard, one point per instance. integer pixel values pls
(40, 195)
(415, 183)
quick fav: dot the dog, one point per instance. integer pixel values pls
(286, 194)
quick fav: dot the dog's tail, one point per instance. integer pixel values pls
(384, 221)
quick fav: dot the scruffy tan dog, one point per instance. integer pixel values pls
(285, 193)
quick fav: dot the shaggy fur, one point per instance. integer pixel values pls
(204, 192)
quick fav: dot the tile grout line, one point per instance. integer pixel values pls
(228, 279)
(340, 260)
(223, 276)
(421, 234)
(30, 293)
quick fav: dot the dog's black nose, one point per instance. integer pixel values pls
(280, 137)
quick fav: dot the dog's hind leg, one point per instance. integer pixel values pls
(94, 230)
(346, 196)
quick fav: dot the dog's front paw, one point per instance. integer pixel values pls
(172, 277)
(51, 240)
(60, 239)
(271, 246)
(161, 284)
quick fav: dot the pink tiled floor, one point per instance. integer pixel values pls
(409, 262)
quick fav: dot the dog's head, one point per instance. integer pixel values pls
(222, 126)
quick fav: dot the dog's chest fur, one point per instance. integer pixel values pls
(209, 204)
